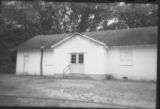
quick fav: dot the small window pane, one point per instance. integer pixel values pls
(81, 58)
(73, 58)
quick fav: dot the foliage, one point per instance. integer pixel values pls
(109, 76)
(21, 20)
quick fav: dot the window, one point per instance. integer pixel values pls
(126, 56)
(73, 58)
(77, 58)
(81, 58)
(26, 57)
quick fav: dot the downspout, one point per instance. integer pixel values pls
(41, 61)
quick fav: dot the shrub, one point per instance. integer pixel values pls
(109, 76)
(125, 78)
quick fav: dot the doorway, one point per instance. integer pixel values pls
(77, 63)
(26, 64)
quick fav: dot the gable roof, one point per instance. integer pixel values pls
(134, 36)
(74, 34)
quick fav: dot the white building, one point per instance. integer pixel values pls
(125, 53)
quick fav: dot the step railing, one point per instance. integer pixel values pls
(66, 70)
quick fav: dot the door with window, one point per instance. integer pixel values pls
(77, 63)
(26, 64)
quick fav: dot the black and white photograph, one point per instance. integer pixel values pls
(78, 54)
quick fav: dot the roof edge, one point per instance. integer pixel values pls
(73, 35)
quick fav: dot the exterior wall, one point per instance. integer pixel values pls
(55, 60)
(95, 60)
(33, 66)
(144, 63)
(48, 62)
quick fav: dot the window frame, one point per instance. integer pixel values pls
(75, 60)
(78, 58)
(81, 59)
(126, 56)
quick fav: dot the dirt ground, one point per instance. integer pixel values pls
(47, 91)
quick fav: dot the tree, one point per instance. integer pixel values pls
(21, 20)
(135, 15)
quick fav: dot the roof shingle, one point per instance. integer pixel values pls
(135, 36)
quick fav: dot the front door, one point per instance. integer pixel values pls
(77, 63)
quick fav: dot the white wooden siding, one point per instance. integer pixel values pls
(48, 62)
(97, 60)
(94, 55)
(143, 67)
(34, 61)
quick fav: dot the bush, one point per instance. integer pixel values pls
(109, 76)
(8, 64)
(125, 78)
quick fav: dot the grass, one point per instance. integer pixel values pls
(131, 93)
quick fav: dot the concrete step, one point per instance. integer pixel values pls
(77, 76)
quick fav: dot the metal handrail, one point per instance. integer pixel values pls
(67, 68)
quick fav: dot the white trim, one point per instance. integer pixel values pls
(99, 42)
(138, 45)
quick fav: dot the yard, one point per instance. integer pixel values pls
(47, 91)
